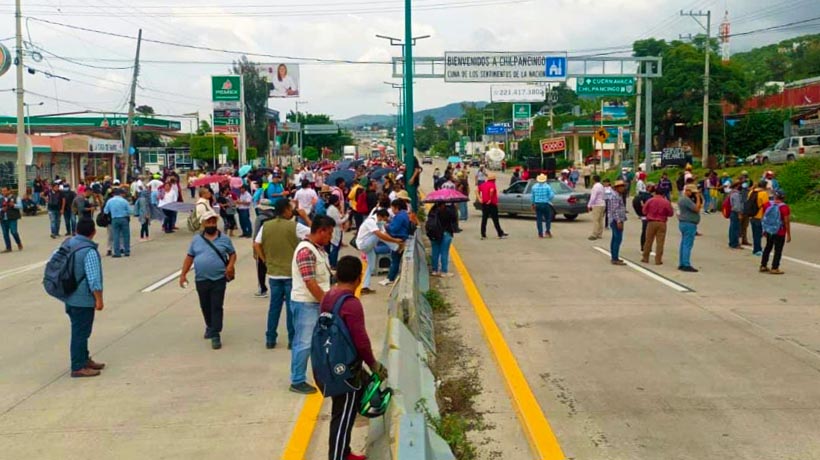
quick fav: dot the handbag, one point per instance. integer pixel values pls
(219, 254)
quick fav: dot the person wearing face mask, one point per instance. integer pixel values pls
(370, 233)
(214, 258)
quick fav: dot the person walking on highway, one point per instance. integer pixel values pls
(735, 212)
(665, 186)
(488, 194)
(637, 204)
(778, 228)
(440, 230)
(757, 198)
(9, 215)
(616, 216)
(55, 204)
(690, 204)
(243, 205)
(169, 195)
(214, 259)
(345, 406)
(120, 212)
(542, 195)
(657, 211)
(310, 269)
(597, 207)
(68, 213)
(81, 305)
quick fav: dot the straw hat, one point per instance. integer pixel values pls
(691, 188)
(207, 215)
(402, 195)
(619, 183)
(325, 189)
(541, 178)
(491, 176)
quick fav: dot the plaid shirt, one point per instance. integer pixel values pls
(306, 262)
(93, 271)
(542, 193)
(615, 209)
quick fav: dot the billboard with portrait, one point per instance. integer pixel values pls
(283, 79)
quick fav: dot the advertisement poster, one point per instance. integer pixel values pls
(282, 78)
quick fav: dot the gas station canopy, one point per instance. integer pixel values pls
(88, 125)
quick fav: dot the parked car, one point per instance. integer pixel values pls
(778, 154)
(427, 160)
(803, 146)
(517, 199)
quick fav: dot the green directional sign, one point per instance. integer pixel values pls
(605, 86)
(226, 88)
(521, 112)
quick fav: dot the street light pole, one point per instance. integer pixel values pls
(28, 115)
(21, 133)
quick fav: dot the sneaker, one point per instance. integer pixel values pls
(764, 269)
(447, 275)
(90, 364)
(303, 388)
(503, 236)
(216, 342)
(435, 274)
(270, 345)
(85, 372)
(53, 237)
(757, 254)
(385, 282)
(483, 238)
(260, 293)
(688, 269)
(366, 291)
(776, 271)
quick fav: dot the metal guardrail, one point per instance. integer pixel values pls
(403, 433)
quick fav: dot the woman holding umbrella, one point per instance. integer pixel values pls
(441, 225)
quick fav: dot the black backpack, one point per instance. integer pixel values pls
(637, 204)
(750, 208)
(433, 227)
(59, 279)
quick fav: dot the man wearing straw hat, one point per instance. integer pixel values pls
(542, 195)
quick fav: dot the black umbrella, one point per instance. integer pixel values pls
(346, 174)
(381, 172)
(343, 165)
(356, 163)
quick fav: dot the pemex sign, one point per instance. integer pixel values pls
(226, 88)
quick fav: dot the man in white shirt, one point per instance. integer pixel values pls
(306, 197)
(597, 206)
(136, 186)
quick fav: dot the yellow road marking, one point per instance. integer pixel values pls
(542, 440)
(302, 432)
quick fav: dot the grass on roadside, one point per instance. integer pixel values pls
(806, 212)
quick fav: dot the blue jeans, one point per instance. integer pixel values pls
(333, 255)
(10, 227)
(757, 235)
(54, 219)
(279, 294)
(441, 253)
(463, 213)
(82, 320)
(707, 200)
(687, 242)
(371, 267)
(122, 235)
(617, 239)
(305, 315)
(395, 265)
(543, 218)
(245, 222)
(734, 230)
(70, 222)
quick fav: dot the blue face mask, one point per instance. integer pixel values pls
(745, 185)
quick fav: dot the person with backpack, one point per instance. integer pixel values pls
(757, 198)
(776, 224)
(542, 195)
(440, 228)
(341, 307)
(80, 263)
(735, 211)
(311, 274)
(214, 259)
(637, 205)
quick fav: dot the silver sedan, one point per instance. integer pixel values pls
(517, 199)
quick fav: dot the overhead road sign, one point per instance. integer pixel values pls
(290, 127)
(605, 86)
(518, 93)
(577, 66)
(553, 145)
(497, 129)
(504, 67)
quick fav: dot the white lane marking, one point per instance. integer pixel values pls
(23, 269)
(650, 274)
(798, 261)
(162, 282)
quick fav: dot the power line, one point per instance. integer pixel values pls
(781, 26)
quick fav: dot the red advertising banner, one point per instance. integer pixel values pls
(553, 145)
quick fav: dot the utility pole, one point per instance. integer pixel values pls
(126, 144)
(636, 139)
(706, 52)
(21, 128)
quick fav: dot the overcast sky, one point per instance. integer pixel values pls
(338, 29)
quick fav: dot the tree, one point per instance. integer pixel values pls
(256, 103)
(202, 147)
(333, 141)
(204, 128)
(428, 134)
(145, 110)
